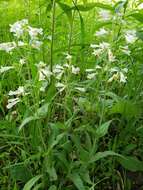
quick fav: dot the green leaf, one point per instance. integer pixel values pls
(67, 10)
(103, 129)
(56, 141)
(131, 163)
(53, 187)
(137, 15)
(40, 113)
(26, 121)
(31, 182)
(104, 154)
(19, 172)
(89, 6)
(127, 108)
(76, 179)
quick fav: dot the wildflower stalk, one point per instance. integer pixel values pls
(71, 29)
(52, 34)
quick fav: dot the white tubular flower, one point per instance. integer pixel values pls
(44, 71)
(44, 74)
(125, 50)
(8, 46)
(57, 69)
(91, 76)
(101, 32)
(12, 102)
(5, 69)
(94, 46)
(21, 43)
(68, 56)
(80, 89)
(140, 6)
(99, 49)
(104, 15)
(130, 36)
(114, 77)
(22, 61)
(111, 57)
(36, 44)
(60, 86)
(34, 32)
(44, 86)
(75, 70)
(118, 75)
(19, 27)
(18, 92)
(123, 78)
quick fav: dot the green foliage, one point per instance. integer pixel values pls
(71, 95)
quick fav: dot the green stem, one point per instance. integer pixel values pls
(52, 34)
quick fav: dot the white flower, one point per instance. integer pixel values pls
(66, 65)
(22, 61)
(94, 46)
(99, 49)
(36, 44)
(97, 52)
(68, 56)
(123, 78)
(44, 71)
(98, 67)
(21, 43)
(125, 50)
(80, 89)
(57, 69)
(104, 45)
(60, 86)
(5, 69)
(114, 77)
(89, 70)
(34, 32)
(130, 36)
(105, 15)
(12, 102)
(75, 70)
(140, 6)
(118, 75)
(40, 65)
(49, 37)
(44, 86)
(91, 76)
(19, 27)
(8, 46)
(111, 57)
(19, 91)
(101, 32)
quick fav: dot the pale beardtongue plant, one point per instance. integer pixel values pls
(27, 36)
(79, 106)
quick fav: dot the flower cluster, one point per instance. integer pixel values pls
(25, 36)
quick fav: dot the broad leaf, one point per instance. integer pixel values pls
(104, 154)
(103, 129)
(89, 6)
(131, 163)
(76, 179)
(31, 182)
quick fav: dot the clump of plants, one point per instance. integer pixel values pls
(71, 97)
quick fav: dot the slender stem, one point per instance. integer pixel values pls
(71, 29)
(52, 34)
